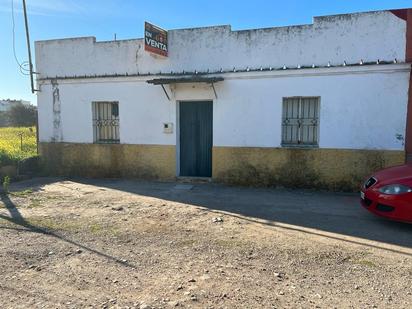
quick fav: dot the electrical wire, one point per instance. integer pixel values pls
(23, 66)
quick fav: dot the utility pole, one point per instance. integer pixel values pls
(26, 23)
(28, 46)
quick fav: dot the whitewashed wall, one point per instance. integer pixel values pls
(142, 111)
(350, 38)
(357, 111)
(361, 108)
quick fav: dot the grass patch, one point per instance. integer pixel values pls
(35, 203)
(103, 230)
(54, 197)
(96, 228)
(23, 193)
(7, 224)
(11, 150)
(65, 225)
(55, 224)
(186, 243)
(366, 263)
(230, 243)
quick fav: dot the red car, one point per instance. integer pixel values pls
(388, 193)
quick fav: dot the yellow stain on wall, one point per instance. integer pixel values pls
(333, 169)
(109, 160)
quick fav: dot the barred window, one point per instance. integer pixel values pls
(300, 121)
(106, 122)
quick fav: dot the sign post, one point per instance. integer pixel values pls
(155, 40)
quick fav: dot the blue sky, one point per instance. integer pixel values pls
(102, 18)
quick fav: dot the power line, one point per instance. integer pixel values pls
(22, 65)
(26, 24)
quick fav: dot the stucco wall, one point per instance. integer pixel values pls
(368, 36)
(333, 169)
(360, 108)
(142, 111)
(98, 160)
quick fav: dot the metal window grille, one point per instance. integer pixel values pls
(300, 121)
(106, 122)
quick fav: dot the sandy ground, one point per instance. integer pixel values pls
(129, 244)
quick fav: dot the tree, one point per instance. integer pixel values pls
(21, 115)
(4, 120)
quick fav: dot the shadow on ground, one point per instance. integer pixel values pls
(334, 215)
(23, 225)
(337, 213)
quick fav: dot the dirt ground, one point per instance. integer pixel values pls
(129, 244)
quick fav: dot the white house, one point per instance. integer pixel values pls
(319, 105)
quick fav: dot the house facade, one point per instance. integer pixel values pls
(318, 105)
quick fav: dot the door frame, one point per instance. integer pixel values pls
(178, 133)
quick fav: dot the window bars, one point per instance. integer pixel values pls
(300, 121)
(106, 122)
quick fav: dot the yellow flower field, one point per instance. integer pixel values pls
(10, 146)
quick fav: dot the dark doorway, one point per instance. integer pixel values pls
(196, 138)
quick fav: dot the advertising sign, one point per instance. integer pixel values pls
(155, 39)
